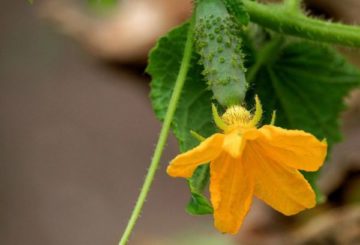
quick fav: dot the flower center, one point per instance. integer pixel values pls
(237, 116)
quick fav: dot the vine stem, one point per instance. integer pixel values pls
(184, 67)
(276, 17)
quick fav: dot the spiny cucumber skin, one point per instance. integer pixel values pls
(218, 42)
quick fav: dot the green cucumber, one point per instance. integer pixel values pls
(218, 42)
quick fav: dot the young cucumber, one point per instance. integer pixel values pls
(218, 43)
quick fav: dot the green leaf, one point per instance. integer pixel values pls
(199, 205)
(194, 107)
(200, 179)
(306, 84)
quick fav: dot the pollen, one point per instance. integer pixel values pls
(237, 116)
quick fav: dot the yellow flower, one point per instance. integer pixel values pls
(247, 161)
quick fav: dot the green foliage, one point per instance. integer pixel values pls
(306, 84)
(218, 42)
(194, 107)
(199, 204)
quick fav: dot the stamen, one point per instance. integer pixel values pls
(237, 115)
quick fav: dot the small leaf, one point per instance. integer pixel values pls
(200, 179)
(199, 205)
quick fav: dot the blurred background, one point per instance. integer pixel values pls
(77, 133)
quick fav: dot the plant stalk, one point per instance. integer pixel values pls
(163, 135)
(276, 17)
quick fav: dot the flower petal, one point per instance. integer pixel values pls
(235, 141)
(231, 189)
(232, 144)
(294, 148)
(282, 187)
(185, 164)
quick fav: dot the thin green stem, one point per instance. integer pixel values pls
(163, 135)
(276, 17)
(268, 51)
